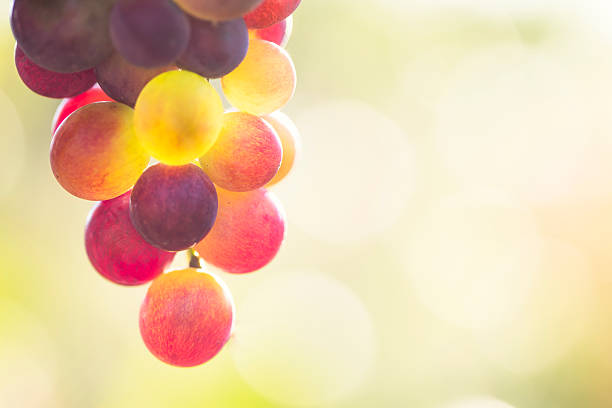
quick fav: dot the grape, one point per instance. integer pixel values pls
(178, 117)
(67, 106)
(215, 49)
(123, 81)
(248, 233)
(95, 154)
(263, 82)
(290, 139)
(278, 33)
(247, 153)
(49, 83)
(271, 12)
(116, 249)
(217, 10)
(187, 317)
(149, 33)
(173, 207)
(63, 35)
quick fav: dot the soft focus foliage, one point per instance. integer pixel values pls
(448, 238)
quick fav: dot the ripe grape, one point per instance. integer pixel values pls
(123, 81)
(248, 233)
(49, 83)
(187, 317)
(271, 12)
(246, 155)
(215, 49)
(63, 35)
(95, 154)
(278, 33)
(67, 106)
(178, 117)
(117, 250)
(264, 82)
(149, 33)
(215, 10)
(290, 139)
(173, 207)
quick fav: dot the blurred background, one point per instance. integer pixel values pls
(450, 228)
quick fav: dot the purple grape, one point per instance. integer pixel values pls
(123, 81)
(49, 83)
(149, 33)
(173, 207)
(63, 35)
(215, 49)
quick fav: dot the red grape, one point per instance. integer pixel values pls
(248, 233)
(271, 12)
(49, 83)
(278, 33)
(117, 250)
(187, 317)
(67, 106)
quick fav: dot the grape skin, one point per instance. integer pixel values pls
(215, 49)
(270, 12)
(216, 10)
(149, 33)
(69, 105)
(173, 207)
(116, 250)
(51, 84)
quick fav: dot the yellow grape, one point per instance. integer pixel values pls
(178, 116)
(264, 81)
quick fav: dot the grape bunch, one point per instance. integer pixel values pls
(142, 132)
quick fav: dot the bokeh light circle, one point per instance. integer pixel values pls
(303, 339)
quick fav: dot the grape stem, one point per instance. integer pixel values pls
(194, 259)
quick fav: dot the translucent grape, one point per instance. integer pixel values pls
(270, 12)
(178, 117)
(67, 106)
(116, 249)
(63, 35)
(278, 33)
(216, 10)
(248, 233)
(149, 33)
(95, 154)
(290, 139)
(123, 81)
(187, 317)
(264, 82)
(246, 155)
(215, 49)
(49, 83)
(173, 207)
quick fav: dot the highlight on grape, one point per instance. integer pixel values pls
(142, 132)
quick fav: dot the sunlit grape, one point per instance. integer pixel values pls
(67, 106)
(95, 154)
(187, 317)
(49, 83)
(271, 12)
(123, 81)
(117, 250)
(178, 117)
(248, 232)
(215, 49)
(290, 139)
(264, 82)
(278, 33)
(63, 35)
(149, 33)
(173, 207)
(246, 155)
(215, 10)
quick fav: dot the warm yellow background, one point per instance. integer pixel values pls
(450, 228)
